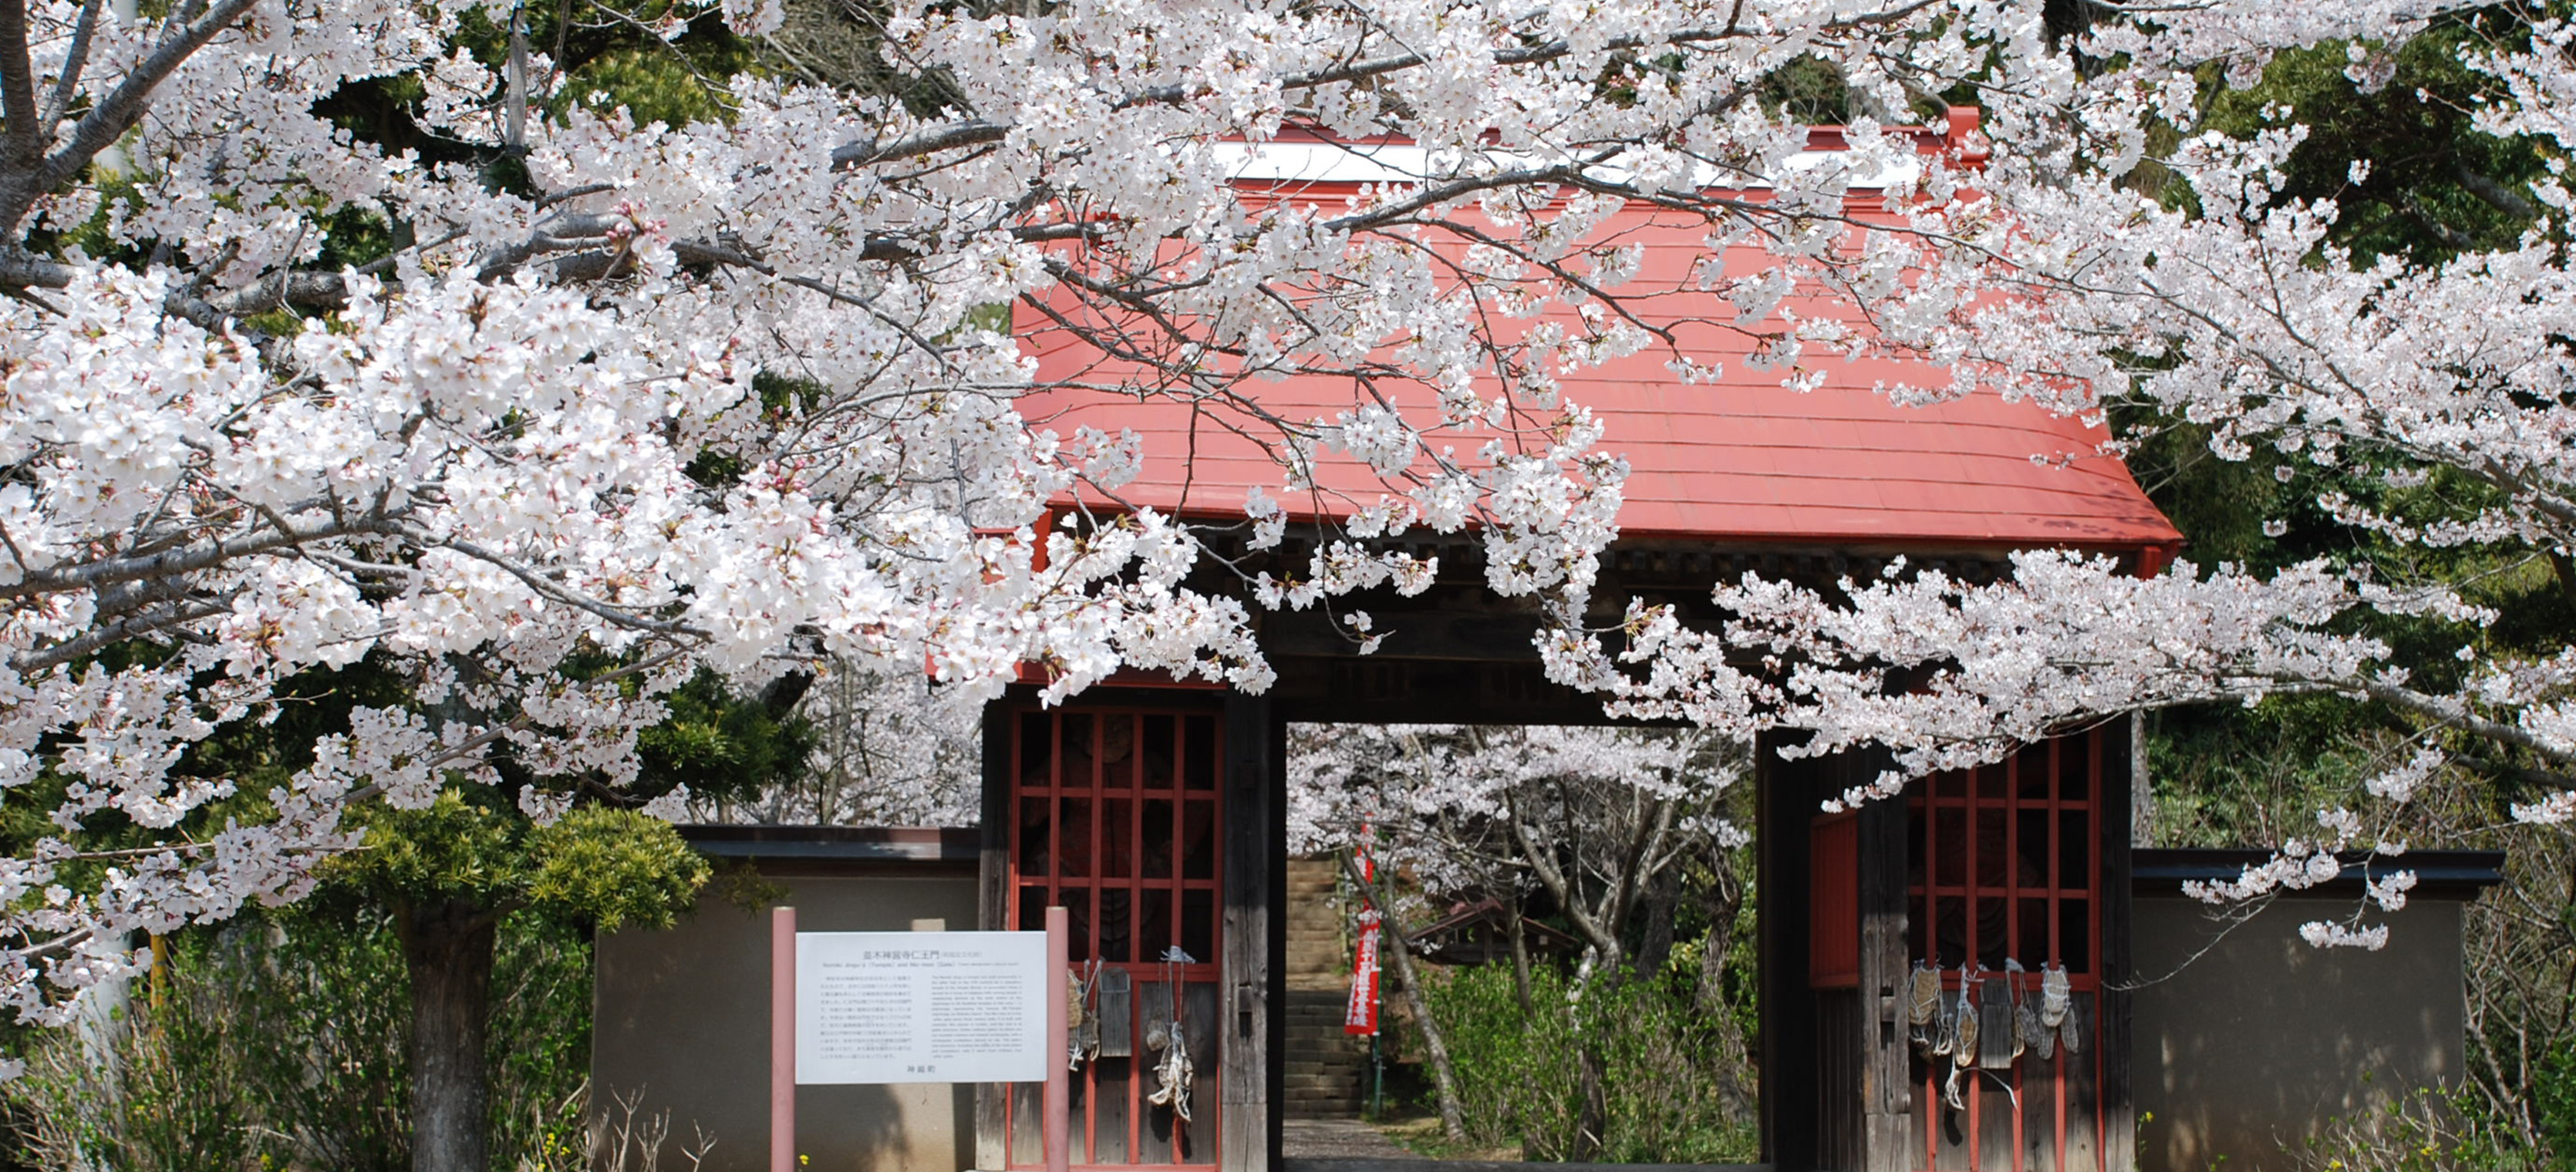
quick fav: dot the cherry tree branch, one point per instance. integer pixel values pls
(115, 112)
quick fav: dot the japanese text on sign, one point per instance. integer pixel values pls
(893, 1007)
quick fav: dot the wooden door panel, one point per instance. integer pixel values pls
(1115, 814)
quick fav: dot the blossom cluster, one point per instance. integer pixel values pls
(728, 395)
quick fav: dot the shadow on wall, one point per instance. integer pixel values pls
(2263, 1040)
(682, 1025)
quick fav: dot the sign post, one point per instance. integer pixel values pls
(782, 1039)
(925, 1007)
(1057, 1040)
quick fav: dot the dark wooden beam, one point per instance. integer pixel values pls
(1885, 1097)
(1278, 1026)
(2111, 763)
(1447, 633)
(1253, 830)
(1784, 805)
(992, 900)
(1312, 1164)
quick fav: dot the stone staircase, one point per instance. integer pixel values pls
(1326, 1068)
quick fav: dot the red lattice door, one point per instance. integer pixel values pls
(1115, 815)
(2004, 862)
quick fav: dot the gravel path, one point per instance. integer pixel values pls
(1337, 1139)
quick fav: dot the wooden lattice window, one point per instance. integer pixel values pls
(2004, 862)
(1116, 816)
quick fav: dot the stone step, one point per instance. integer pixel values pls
(1330, 1013)
(1337, 1101)
(1300, 1057)
(1305, 1050)
(1318, 1083)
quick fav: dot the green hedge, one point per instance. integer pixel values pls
(1519, 1075)
(278, 1043)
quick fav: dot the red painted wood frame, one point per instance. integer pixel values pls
(1115, 814)
(2015, 870)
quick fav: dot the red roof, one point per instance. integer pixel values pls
(1742, 460)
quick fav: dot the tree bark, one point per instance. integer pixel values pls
(1592, 1123)
(448, 948)
(1655, 946)
(1453, 1123)
(1515, 932)
(1725, 904)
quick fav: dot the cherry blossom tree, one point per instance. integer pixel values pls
(1603, 822)
(2428, 396)
(725, 395)
(886, 751)
(728, 395)
(1595, 818)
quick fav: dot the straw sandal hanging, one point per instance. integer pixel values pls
(1923, 990)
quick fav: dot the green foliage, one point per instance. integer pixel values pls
(173, 1100)
(2232, 777)
(539, 1062)
(719, 744)
(612, 868)
(2426, 1130)
(278, 1042)
(596, 866)
(454, 848)
(327, 998)
(2553, 1097)
(1741, 998)
(1807, 88)
(2436, 187)
(1519, 1081)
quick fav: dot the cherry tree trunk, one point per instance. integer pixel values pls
(1444, 1078)
(448, 947)
(1734, 1060)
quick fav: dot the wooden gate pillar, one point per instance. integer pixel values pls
(1254, 831)
(2118, 999)
(992, 903)
(1885, 1096)
(1787, 1038)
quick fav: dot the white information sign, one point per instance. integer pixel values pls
(890, 1007)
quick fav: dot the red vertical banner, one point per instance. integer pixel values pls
(1359, 1015)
